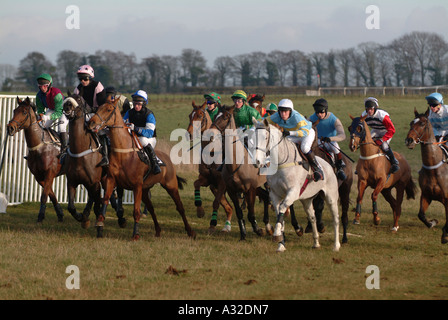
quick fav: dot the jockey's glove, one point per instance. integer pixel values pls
(325, 139)
(286, 133)
(131, 126)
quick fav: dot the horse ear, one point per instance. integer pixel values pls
(427, 112)
(363, 118)
(262, 98)
(415, 112)
(203, 105)
(266, 123)
(69, 94)
(193, 104)
(19, 101)
(27, 100)
(351, 117)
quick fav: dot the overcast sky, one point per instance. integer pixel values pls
(216, 28)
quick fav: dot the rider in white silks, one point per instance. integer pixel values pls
(330, 131)
(299, 130)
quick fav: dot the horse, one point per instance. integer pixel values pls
(433, 174)
(291, 181)
(43, 152)
(208, 175)
(81, 163)
(344, 191)
(373, 171)
(125, 158)
(256, 102)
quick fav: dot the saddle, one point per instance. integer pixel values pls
(445, 152)
(305, 164)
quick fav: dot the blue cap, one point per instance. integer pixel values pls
(435, 98)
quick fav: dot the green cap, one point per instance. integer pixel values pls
(239, 94)
(272, 107)
(44, 78)
(213, 96)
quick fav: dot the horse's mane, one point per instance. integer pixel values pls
(256, 97)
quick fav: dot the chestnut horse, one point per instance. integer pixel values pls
(256, 102)
(81, 163)
(126, 170)
(433, 176)
(373, 171)
(208, 175)
(43, 151)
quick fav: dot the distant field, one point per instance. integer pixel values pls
(412, 263)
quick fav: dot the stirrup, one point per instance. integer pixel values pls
(318, 175)
(394, 168)
(103, 163)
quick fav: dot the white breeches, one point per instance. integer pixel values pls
(305, 142)
(62, 121)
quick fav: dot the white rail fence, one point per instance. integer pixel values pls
(16, 180)
(373, 91)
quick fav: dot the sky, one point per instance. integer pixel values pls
(216, 28)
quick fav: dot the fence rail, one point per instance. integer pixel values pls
(16, 180)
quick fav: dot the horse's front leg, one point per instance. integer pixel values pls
(109, 188)
(147, 201)
(137, 203)
(424, 204)
(362, 185)
(201, 181)
(250, 198)
(46, 184)
(379, 187)
(57, 206)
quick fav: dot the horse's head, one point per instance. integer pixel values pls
(73, 106)
(200, 115)
(223, 118)
(106, 116)
(256, 101)
(357, 132)
(420, 130)
(23, 117)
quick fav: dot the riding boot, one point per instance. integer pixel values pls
(153, 159)
(64, 145)
(340, 165)
(394, 162)
(318, 174)
(104, 151)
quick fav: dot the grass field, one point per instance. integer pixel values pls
(412, 263)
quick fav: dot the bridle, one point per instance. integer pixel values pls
(418, 140)
(21, 124)
(112, 113)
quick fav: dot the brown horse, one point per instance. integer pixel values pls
(43, 151)
(240, 176)
(126, 170)
(81, 163)
(256, 102)
(208, 175)
(433, 177)
(344, 190)
(373, 168)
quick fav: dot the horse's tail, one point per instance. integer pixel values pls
(180, 182)
(411, 189)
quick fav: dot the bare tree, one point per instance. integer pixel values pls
(343, 61)
(67, 64)
(297, 66)
(193, 66)
(281, 61)
(224, 67)
(34, 64)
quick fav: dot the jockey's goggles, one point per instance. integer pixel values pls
(83, 78)
(211, 102)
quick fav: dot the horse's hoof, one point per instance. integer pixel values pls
(85, 224)
(269, 230)
(336, 248)
(316, 246)
(395, 229)
(321, 228)
(281, 247)
(376, 219)
(356, 221)
(211, 230)
(192, 235)
(136, 237)
(299, 231)
(60, 219)
(260, 232)
(308, 228)
(444, 239)
(433, 223)
(122, 222)
(200, 212)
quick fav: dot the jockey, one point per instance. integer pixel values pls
(243, 113)
(213, 103)
(270, 110)
(123, 103)
(143, 123)
(94, 94)
(49, 101)
(330, 131)
(299, 130)
(382, 129)
(438, 116)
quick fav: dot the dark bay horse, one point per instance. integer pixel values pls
(433, 176)
(373, 168)
(208, 175)
(126, 170)
(81, 163)
(43, 151)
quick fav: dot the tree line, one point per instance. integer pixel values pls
(414, 59)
